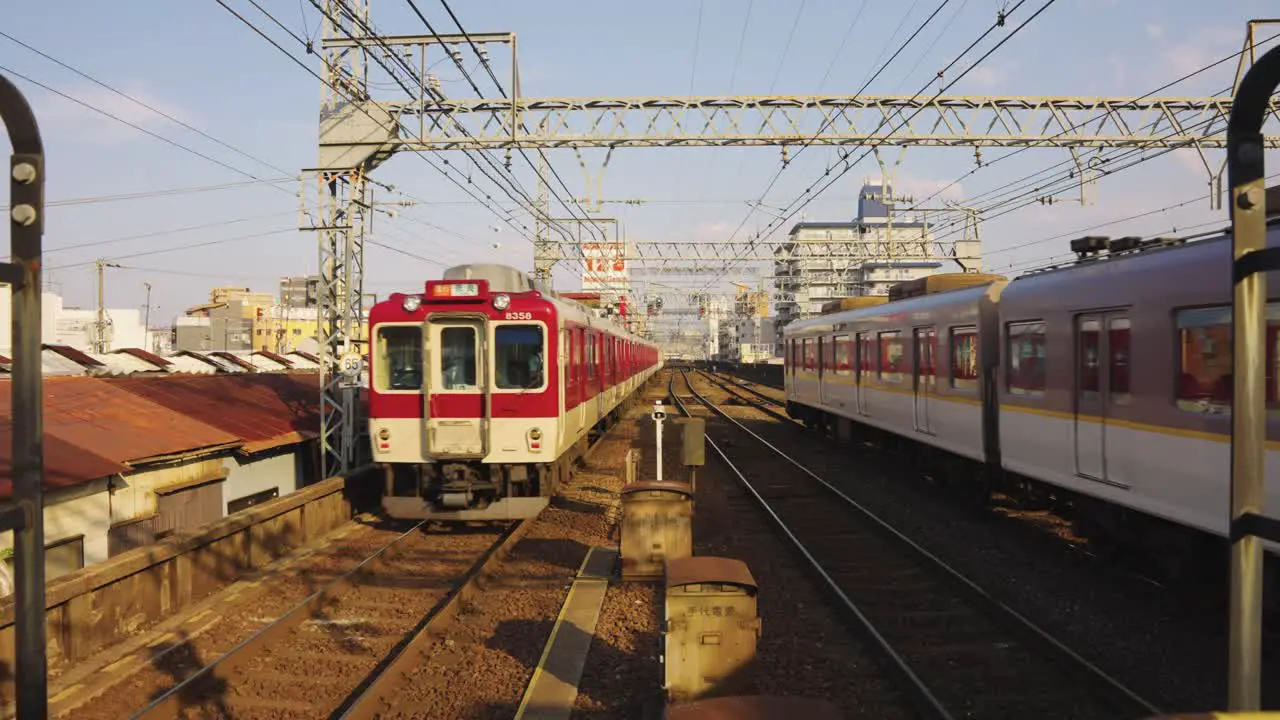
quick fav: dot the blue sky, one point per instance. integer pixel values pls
(197, 62)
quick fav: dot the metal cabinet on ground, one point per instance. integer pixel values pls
(710, 629)
(657, 525)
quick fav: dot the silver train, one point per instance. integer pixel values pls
(1103, 386)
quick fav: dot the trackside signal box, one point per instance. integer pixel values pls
(710, 628)
(657, 525)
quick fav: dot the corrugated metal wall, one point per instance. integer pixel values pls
(187, 507)
(261, 472)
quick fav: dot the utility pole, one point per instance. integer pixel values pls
(100, 327)
(146, 317)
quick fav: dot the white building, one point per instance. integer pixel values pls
(61, 325)
(880, 248)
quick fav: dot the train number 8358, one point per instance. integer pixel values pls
(519, 316)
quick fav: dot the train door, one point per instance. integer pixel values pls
(926, 340)
(457, 414)
(823, 345)
(864, 366)
(1101, 389)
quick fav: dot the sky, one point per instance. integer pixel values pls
(185, 211)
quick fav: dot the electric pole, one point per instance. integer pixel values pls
(100, 327)
(146, 317)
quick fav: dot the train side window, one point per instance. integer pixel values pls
(810, 356)
(1026, 374)
(964, 358)
(1204, 359)
(843, 351)
(399, 359)
(891, 354)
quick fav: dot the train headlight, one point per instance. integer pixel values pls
(384, 434)
(501, 302)
(412, 303)
(535, 440)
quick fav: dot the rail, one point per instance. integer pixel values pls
(994, 608)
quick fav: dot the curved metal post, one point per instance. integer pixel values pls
(22, 273)
(1252, 258)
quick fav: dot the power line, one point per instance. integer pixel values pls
(152, 194)
(1082, 123)
(176, 248)
(171, 231)
(497, 83)
(403, 64)
(809, 191)
(135, 126)
(849, 166)
(136, 101)
(325, 83)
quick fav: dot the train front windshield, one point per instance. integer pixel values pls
(518, 356)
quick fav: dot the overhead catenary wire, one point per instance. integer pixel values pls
(372, 33)
(1095, 118)
(519, 229)
(484, 61)
(790, 211)
(808, 194)
(135, 126)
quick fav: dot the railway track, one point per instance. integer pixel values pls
(329, 650)
(956, 650)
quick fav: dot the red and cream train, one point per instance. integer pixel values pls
(483, 388)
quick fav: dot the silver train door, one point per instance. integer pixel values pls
(926, 347)
(459, 382)
(863, 367)
(1101, 389)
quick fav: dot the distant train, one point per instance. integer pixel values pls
(482, 390)
(1104, 384)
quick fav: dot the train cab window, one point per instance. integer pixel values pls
(844, 352)
(518, 356)
(891, 356)
(458, 358)
(1026, 373)
(964, 358)
(399, 358)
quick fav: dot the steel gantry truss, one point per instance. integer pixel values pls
(357, 133)
(989, 121)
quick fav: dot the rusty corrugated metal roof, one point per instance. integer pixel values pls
(306, 355)
(65, 464)
(145, 356)
(78, 357)
(96, 416)
(233, 358)
(263, 410)
(276, 357)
